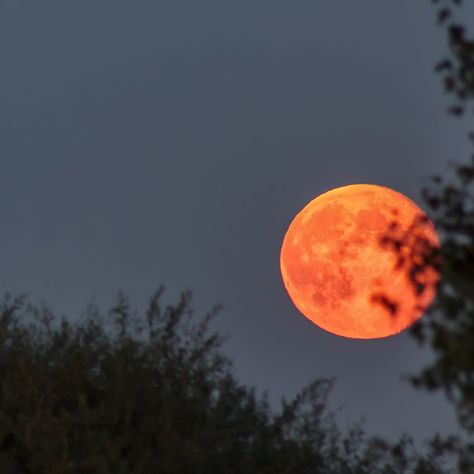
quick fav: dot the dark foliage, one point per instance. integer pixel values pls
(130, 394)
(449, 327)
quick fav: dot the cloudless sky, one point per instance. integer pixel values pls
(172, 142)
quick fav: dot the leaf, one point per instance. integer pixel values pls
(449, 83)
(444, 65)
(443, 15)
(465, 173)
(457, 110)
(456, 33)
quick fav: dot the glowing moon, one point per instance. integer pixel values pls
(335, 269)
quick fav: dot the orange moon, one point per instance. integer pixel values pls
(335, 269)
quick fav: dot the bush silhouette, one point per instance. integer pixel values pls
(154, 393)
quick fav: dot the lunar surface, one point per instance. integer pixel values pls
(339, 275)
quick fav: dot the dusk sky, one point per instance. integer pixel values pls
(172, 142)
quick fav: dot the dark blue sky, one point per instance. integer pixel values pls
(172, 142)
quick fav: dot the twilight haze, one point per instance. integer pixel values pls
(172, 142)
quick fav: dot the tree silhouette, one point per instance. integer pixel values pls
(449, 327)
(132, 393)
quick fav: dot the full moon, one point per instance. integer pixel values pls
(340, 276)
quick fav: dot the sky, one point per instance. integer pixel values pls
(172, 142)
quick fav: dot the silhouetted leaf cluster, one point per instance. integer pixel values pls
(457, 69)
